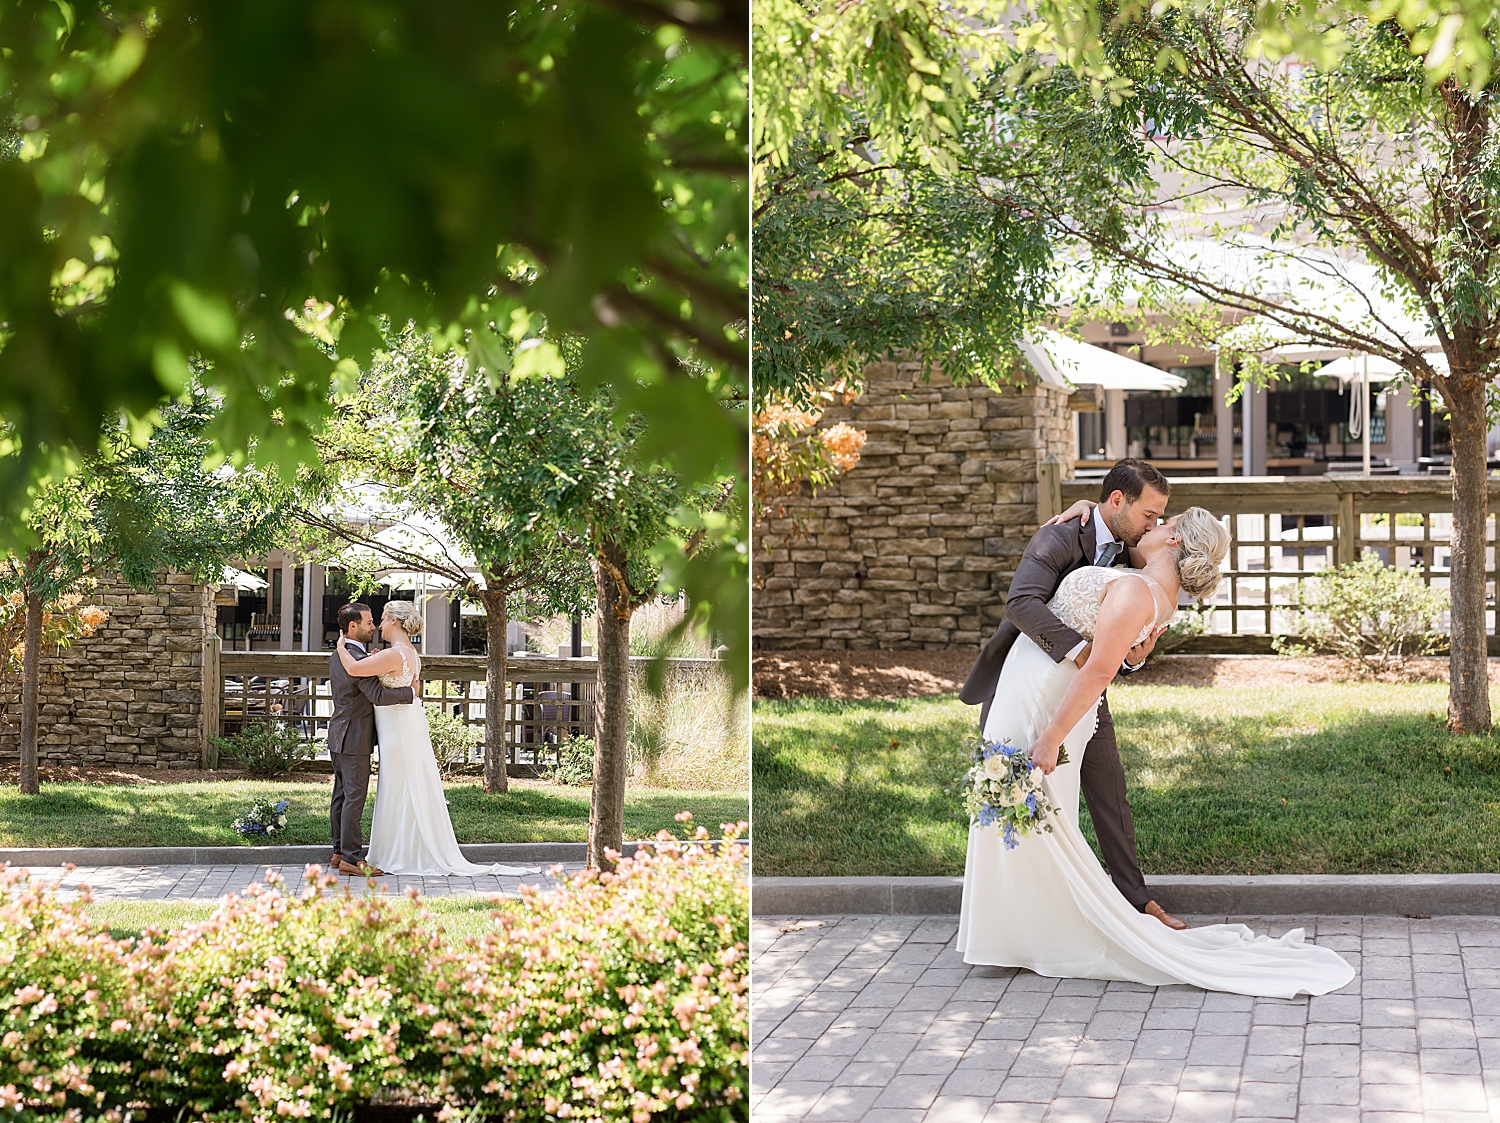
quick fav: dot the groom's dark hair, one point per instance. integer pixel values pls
(1131, 476)
(351, 614)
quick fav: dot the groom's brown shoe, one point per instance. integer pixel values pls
(1161, 914)
(364, 869)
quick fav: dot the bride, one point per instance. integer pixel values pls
(410, 832)
(1047, 904)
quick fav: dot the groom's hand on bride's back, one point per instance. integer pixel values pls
(1142, 651)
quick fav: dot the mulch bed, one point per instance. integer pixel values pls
(127, 776)
(855, 675)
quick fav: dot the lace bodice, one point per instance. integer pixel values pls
(405, 676)
(1076, 602)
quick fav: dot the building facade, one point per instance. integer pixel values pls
(916, 545)
(132, 693)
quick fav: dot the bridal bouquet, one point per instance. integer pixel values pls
(264, 820)
(1003, 788)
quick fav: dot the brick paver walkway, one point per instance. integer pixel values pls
(206, 883)
(877, 1018)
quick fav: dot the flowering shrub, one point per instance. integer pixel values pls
(263, 822)
(295, 1006)
(67, 1007)
(65, 619)
(624, 996)
(787, 447)
(619, 996)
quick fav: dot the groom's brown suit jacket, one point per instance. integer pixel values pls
(352, 728)
(1052, 554)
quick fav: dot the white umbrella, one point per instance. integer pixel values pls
(239, 579)
(1351, 367)
(1065, 363)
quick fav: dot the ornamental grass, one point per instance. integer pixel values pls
(617, 996)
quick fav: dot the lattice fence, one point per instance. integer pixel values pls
(1286, 531)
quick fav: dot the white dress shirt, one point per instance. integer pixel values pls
(1102, 538)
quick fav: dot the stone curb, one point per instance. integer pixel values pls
(534, 853)
(1463, 894)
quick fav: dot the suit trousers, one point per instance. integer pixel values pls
(1102, 779)
(351, 787)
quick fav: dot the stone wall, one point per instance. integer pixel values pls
(132, 693)
(916, 546)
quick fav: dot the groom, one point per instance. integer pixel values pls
(1132, 500)
(351, 737)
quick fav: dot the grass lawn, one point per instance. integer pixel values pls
(459, 916)
(1326, 778)
(200, 814)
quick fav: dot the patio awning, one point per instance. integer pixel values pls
(1351, 367)
(239, 579)
(1066, 363)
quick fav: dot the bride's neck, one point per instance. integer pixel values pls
(1163, 568)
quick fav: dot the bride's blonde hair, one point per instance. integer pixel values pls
(406, 616)
(1205, 544)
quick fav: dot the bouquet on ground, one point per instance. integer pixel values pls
(264, 821)
(1003, 788)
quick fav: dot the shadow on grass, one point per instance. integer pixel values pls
(1283, 792)
(202, 814)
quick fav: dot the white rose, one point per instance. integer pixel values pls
(994, 767)
(1012, 796)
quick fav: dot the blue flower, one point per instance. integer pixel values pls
(1031, 802)
(1012, 840)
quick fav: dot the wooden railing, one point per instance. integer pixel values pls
(547, 701)
(1286, 530)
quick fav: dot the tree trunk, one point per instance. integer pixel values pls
(1468, 682)
(31, 670)
(495, 778)
(611, 707)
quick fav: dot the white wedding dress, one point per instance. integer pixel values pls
(410, 831)
(1048, 905)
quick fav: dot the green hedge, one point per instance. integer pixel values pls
(616, 997)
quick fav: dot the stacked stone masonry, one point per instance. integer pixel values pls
(132, 693)
(915, 546)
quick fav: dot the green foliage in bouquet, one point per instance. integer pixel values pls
(1374, 617)
(266, 748)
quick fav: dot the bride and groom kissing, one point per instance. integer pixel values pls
(377, 700)
(1094, 589)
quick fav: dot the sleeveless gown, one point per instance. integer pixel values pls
(1048, 904)
(410, 831)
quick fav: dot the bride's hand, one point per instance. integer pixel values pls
(1043, 757)
(1076, 511)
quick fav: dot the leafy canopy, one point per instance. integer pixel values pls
(188, 178)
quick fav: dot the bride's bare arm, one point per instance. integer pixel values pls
(1126, 608)
(380, 663)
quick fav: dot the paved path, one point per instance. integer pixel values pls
(877, 1018)
(207, 883)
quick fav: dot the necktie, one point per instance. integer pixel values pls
(1108, 554)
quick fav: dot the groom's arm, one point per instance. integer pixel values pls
(1048, 556)
(381, 695)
